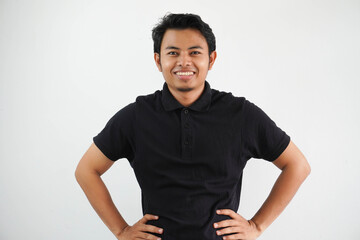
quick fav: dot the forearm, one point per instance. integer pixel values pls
(281, 194)
(100, 199)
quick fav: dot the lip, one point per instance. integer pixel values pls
(184, 77)
(185, 70)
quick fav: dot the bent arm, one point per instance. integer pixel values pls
(91, 166)
(295, 169)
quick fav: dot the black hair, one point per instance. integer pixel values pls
(182, 21)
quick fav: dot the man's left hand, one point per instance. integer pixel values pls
(239, 227)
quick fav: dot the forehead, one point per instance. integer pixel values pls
(183, 38)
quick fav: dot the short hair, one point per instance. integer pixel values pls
(182, 21)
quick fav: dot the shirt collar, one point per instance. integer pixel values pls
(201, 104)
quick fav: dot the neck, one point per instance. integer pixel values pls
(189, 97)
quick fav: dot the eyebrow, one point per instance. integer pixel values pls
(173, 47)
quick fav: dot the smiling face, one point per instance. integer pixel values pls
(184, 60)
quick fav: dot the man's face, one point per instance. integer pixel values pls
(184, 59)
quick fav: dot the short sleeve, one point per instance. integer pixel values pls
(261, 137)
(116, 139)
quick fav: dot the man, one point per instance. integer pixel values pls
(188, 145)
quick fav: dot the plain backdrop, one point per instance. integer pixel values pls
(66, 67)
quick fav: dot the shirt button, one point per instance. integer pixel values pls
(186, 111)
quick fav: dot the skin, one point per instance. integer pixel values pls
(88, 174)
(186, 50)
(183, 51)
(294, 170)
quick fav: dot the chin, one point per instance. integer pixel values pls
(185, 89)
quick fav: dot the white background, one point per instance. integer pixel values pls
(67, 66)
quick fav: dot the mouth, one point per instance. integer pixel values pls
(184, 73)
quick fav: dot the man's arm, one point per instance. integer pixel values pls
(294, 170)
(91, 166)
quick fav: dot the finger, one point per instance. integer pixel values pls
(234, 236)
(226, 223)
(151, 229)
(228, 230)
(230, 213)
(148, 217)
(143, 235)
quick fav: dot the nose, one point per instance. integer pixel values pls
(184, 60)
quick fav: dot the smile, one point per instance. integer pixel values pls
(185, 73)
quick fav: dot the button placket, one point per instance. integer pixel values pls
(186, 134)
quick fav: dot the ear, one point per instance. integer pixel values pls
(157, 61)
(212, 59)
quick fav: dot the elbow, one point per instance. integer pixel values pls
(83, 173)
(79, 174)
(305, 168)
(300, 168)
(309, 169)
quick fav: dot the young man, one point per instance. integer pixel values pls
(188, 145)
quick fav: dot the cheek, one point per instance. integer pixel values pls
(166, 66)
(203, 66)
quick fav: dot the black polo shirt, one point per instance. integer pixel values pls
(189, 161)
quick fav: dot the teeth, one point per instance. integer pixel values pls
(184, 73)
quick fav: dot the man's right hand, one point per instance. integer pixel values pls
(139, 229)
(91, 166)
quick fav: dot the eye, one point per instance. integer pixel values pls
(195, 53)
(172, 53)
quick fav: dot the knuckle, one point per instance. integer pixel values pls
(154, 229)
(150, 236)
(223, 223)
(151, 216)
